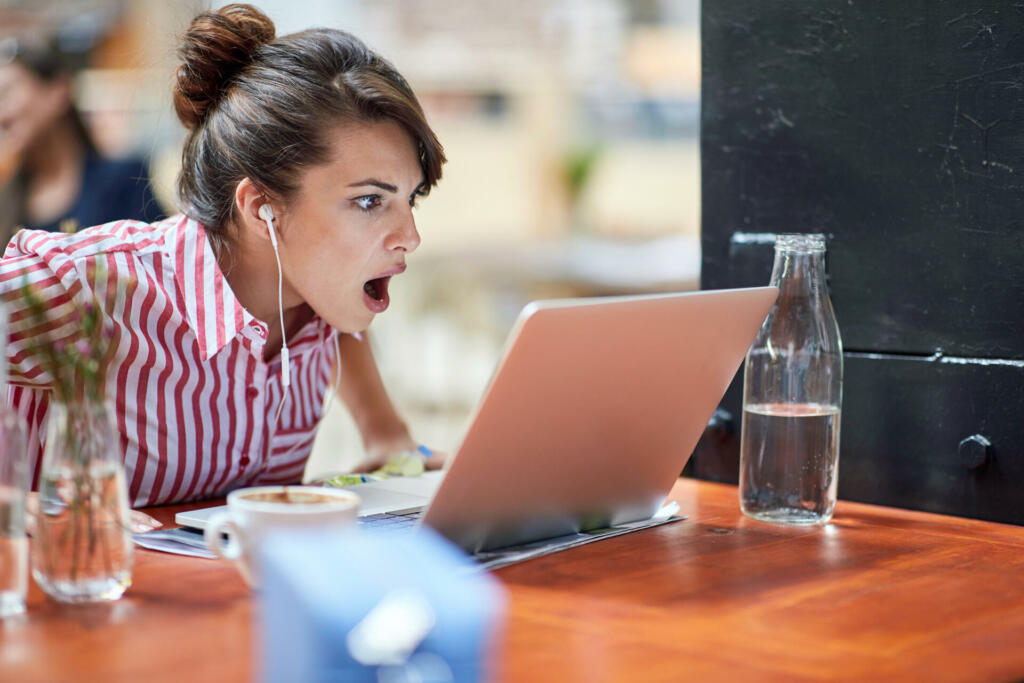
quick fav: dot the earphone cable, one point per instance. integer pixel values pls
(286, 379)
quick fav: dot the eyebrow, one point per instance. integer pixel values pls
(375, 183)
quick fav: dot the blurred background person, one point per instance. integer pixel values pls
(52, 175)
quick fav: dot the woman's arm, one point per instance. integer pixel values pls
(56, 304)
(384, 432)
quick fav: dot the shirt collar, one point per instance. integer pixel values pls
(215, 315)
(213, 312)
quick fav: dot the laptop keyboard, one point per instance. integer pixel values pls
(390, 522)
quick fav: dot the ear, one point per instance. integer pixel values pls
(248, 200)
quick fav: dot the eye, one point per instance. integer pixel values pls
(415, 196)
(368, 202)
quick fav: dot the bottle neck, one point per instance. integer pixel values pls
(799, 270)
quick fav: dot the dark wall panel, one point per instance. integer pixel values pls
(896, 129)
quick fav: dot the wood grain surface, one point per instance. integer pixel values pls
(879, 594)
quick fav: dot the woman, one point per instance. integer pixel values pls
(304, 160)
(51, 175)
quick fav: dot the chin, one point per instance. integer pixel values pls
(347, 322)
(359, 324)
(351, 329)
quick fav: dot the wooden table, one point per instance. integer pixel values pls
(878, 594)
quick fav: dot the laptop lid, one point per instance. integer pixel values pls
(592, 413)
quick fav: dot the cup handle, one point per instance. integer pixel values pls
(218, 525)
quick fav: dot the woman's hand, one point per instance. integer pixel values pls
(138, 522)
(379, 454)
(436, 460)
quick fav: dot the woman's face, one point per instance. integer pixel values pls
(349, 227)
(29, 106)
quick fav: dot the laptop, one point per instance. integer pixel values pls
(593, 411)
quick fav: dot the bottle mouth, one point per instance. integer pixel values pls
(801, 243)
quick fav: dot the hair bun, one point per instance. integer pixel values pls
(216, 47)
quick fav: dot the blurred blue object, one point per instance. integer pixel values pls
(359, 606)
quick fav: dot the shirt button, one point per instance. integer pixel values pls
(244, 460)
(252, 392)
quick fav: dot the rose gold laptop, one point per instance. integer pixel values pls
(594, 409)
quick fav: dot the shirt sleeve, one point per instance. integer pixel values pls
(35, 259)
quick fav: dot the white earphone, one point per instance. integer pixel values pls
(267, 214)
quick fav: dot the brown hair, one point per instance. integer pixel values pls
(258, 107)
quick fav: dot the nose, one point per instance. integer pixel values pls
(405, 237)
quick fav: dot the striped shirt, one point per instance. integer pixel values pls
(193, 400)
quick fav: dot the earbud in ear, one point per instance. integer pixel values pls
(267, 214)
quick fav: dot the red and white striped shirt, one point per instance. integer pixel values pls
(193, 400)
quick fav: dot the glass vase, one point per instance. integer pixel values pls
(82, 550)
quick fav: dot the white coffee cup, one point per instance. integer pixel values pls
(255, 512)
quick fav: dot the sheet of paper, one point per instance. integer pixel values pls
(176, 541)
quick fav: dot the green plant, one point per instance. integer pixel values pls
(76, 362)
(579, 165)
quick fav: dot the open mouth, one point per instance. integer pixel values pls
(377, 288)
(375, 294)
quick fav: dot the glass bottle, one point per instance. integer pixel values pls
(792, 394)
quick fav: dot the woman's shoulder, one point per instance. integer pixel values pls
(130, 236)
